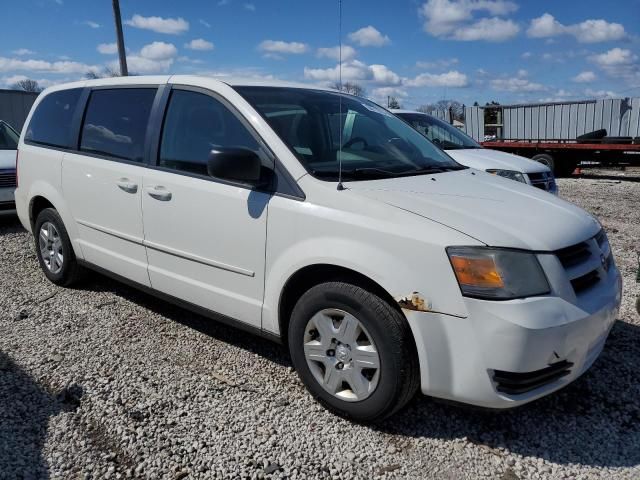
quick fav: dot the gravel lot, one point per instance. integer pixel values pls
(107, 382)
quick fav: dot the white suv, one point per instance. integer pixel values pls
(325, 222)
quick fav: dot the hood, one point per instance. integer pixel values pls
(7, 159)
(485, 158)
(494, 210)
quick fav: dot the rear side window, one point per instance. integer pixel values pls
(194, 125)
(115, 122)
(51, 122)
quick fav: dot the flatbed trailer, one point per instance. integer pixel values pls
(563, 156)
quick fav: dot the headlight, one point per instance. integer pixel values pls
(496, 273)
(510, 174)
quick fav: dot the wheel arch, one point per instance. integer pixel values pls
(311, 275)
(36, 205)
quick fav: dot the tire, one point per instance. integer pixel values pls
(382, 329)
(62, 267)
(545, 159)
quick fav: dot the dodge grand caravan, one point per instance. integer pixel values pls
(323, 221)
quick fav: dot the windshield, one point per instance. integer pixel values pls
(8, 137)
(441, 133)
(375, 143)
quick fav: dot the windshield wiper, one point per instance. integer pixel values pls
(375, 172)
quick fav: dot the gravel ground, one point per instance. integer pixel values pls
(107, 382)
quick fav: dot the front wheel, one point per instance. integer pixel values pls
(353, 351)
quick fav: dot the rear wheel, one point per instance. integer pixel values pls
(54, 250)
(353, 351)
(545, 159)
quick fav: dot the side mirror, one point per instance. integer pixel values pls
(238, 165)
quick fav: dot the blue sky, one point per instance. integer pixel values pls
(419, 51)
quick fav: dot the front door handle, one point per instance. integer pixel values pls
(127, 185)
(159, 193)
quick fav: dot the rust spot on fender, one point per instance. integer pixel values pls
(416, 302)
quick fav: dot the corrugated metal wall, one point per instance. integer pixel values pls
(442, 115)
(15, 106)
(474, 122)
(566, 121)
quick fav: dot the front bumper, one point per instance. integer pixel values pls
(459, 357)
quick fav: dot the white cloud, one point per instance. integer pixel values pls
(585, 77)
(199, 44)
(545, 26)
(159, 51)
(144, 66)
(619, 63)
(453, 79)
(352, 70)
(518, 84)
(454, 19)
(280, 47)
(249, 6)
(355, 70)
(526, 55)
(601, 93)
(333, 53)
(589, 31)
(61, 67)
(383, 92)
(173, 26)
(559, 96)
(91, 23)
(155, 57)
(108, 48)
(380, 95)
(615, 56)
(205, 23)
(488, 29)
(23, 51)
(195, 61)
(593, 31)
(369, 37)
(382, 75)
(443, 63)
(11, 80)
(254, 73)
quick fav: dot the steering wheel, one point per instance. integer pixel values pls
(356, 140)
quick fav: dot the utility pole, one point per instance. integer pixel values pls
(120, 39)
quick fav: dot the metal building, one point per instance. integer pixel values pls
(557, 121)
(15, 106)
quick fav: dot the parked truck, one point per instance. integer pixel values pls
(561, 134)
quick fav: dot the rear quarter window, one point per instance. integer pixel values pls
(51, 121)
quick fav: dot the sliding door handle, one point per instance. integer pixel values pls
(159, 193)
(127, 185)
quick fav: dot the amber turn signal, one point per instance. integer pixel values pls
(477, 272)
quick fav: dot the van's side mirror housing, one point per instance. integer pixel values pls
(238, 165)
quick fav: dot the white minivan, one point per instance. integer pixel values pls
(323, 221)
(466, 151)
